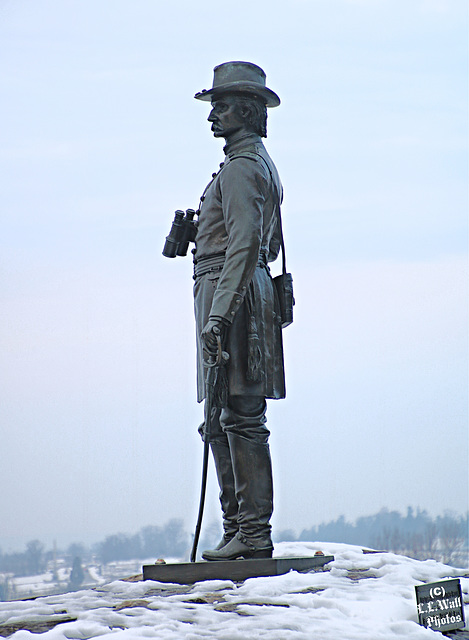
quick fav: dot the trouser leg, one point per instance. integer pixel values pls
(243, 422)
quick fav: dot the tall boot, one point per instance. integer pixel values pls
(252, 470)
(229, 504)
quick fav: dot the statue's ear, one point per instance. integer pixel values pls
(246, 112)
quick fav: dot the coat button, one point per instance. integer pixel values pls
(214, 175)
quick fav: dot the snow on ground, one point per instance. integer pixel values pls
(359, 596)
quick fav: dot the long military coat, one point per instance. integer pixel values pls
(238, 234)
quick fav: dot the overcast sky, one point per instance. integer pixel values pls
(102, 140)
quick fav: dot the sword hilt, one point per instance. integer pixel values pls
(221, 356)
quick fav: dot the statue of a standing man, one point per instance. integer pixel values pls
(238, 235)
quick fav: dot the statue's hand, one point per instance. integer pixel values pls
(212, 329)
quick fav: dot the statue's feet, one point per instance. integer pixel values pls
(241, 547)
(223, 542)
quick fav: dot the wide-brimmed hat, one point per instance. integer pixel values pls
(239, 77)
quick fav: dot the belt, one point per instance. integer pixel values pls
(215, 262)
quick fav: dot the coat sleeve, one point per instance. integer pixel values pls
(244, 188)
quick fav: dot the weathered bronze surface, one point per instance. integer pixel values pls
(238, 235)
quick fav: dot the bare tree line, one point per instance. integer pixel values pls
(416, 534)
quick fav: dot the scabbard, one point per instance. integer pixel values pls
(210, 379)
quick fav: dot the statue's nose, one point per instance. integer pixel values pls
(211, 117)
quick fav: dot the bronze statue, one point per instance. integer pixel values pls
(238, 234)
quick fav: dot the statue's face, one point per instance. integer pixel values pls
(226, 117)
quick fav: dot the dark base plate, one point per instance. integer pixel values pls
(236, 570)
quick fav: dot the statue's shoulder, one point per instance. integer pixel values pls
(253, 156)
(249, 155)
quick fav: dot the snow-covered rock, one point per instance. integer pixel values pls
(358, 596)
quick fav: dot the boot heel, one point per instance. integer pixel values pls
(261, 553)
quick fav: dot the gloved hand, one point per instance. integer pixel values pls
(212, 329)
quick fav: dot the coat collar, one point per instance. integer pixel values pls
(241, 144)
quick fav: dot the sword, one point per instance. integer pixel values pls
(212, 364)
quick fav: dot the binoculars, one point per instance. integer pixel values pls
(183, 231)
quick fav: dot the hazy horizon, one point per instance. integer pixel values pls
(189, 528)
